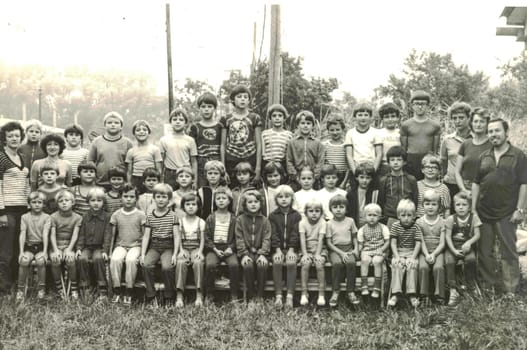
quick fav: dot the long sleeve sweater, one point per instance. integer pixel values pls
(304, 151)
(210, 226)
(253, 235)
(394, 188)
(284, 229)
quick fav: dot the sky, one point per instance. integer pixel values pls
(358, 42)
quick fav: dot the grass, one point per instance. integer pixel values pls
(493, 323)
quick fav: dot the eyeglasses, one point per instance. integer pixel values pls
(431, 167)
(420, 104)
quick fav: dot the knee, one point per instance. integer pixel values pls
(424, 268)
(83, 259)
(40, 262)
(438, 269)
(25, 261)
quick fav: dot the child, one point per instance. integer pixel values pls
(276, 138)
(329, 178)
(94, 241)
(363, 143)
(244, 175)
(150, 178)
(178, 149)
(306, 179)
(34, 234)
(341, 238)
(109, 150)
(117, 178)
(127, 229)
(390, 135)
(405, 241)
(220, 243)
(208, 135)
(215, 177)
(335, 151)
(304, 150)
(191, 238)
(74, 152)
(312, 230)
(160, 239)
(361, 192)
(285, 242)
(432, 226)
(142, 156)
(374, 240)
(396, 185)
(184, 178)
(431, 168)
(242, 134)
(88, 175)
(65, 225)
(462, 234)
(31, 151)
(49, 173)
(273, 174)
(420, 134)
(253, 242)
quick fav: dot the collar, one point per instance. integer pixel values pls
(362, 132)
(299, 136)
(456, 137)
(112, 139)
(509, 152)
(100, 215)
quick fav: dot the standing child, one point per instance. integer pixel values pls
(312, 230)
(390, 135)
(462, 234)
(160, 243)
(432, 226)
(31, 151)
(242, 134)
(88, 175)
(335, 151)
(151, 177)
(253, 242)
(276, 138)
(142, 156)
(94, 241)
(329, 178)
(285, 242)
(304, 150)
(208, 135)
(220, 243)
(405, 241)
(244, 175)
(34, 235)
(306, 179)
(192, 241)
(374, 240)
(65, 225)
(184, 177)
(74, 152)
(361, 192)
(49, 173)
(341, 238)
(117, 178)
(127, 229)
(109, 150)
(431, 168)
(273, 174)
(215, 177)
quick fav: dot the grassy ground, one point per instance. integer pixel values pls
(493, 323)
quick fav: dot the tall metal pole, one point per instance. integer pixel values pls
(275, 59)
(169, 61)
(40, 103)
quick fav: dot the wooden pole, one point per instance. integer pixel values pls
(169, 61)
(275, 59)
(253, 63)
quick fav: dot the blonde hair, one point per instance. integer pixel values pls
(162, 188)
(405, 206)
(373, 207)
(35, 195)
(431, 196)
(96, 192)
(287, 190)
(65, 193)
(313, 204)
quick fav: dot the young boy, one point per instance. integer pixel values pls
(184, 179)
(150, 178)
(405, 241)
(275, 139)
(329, 177)
(142, 156)
(49, 173)
(242, 134)
(361, 192)
(94, 241)
(431, 168)
(178, 149)
(208, 135)
(304, 150)
(306, 179)
(390, 135)
(160, 243)
(363, 143)
(117, 177)
(244, 175)
(420, 134)
(74, 152)
(396, 185)
(109, 150)
(31, 151)
(88, 175)
(335, 151)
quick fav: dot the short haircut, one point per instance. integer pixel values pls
(502, 121)
(277, 108)
(207, 98)
(64, 193)
(8, 127)
(34, 195)
(388, 108)
(86, 165)
(459, 107)
(362, 107)
(335, 120)
(253, 193)
(127, 187)
(284, 189)
(96, 192)
(365, 168)
(47, 166)
(178, 112)
(481, 112)
(328, 169)
(306, 168)
(185, 170)
(74, 129)
(215, 165)
(141, 122)
(151, 172)
(113, 114)
(433, 159)
(33, 123)
(117, 171)
(462, 195)
(313, 204)
(162, 188)
(306, 115)
(431, 195)
(373, 207)
(239, 89)
(420, 95)
(270, 168)
(338, 200)
(396, 151)
(55, 138)
(223, 190)
(404, 206)
(190, 197)
(244, 167)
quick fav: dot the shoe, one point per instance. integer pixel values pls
(321, 301)
(333, 301)
(278, 301)
(198, 302)
(289, 301)
(365, 292)
(74, 295)
(127, 300)
(353, 298)
(102, 298)
(393, 301)
(19, 296)
(152, 303)
(304, 300)
(41, 294)
(454, 297)
(414, 301)
(375, 294)
(179, 303)
(116, 298)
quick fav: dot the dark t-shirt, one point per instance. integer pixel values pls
(471, 154)
(208, 139)
(420, 135)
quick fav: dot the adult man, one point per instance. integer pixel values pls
(499, 197)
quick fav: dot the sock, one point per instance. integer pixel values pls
(364, 282)
(377, 284)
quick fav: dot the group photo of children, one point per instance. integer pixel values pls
(400, 207)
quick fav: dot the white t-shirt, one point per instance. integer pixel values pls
(389, 138)
(302, 197)
(324, 197)
(363, 144)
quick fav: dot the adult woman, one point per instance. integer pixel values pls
(470, 150)
(52, 145)
(14, 189)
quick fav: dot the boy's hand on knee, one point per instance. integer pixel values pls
(430, 259)
(219, 253)
(198, 256)
(319, 259)
(306, 259)
(261, 261)
(142, 260)
(21, 257)
(78, 253)
(278, 257)
(412, 263)
(459, 253)
(69, 256)
(291, 256)
(246, 260)
(465, 248)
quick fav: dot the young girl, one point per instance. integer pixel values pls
(151, 177)
(244, 175)
(431, 168)
(117, 178)
(253, 242)
(433, 228)
(129, 223)
(74, 152)
(341, 238)
(335, 152)
(273, 174)
(192, 241)
(374, 240)
(462, 233)
(306, 179)
(30, 150)
(285, 242)
(34, 234)
(184, 179)
(312, 230)
(220, 243)
(276, 138)
(88, 175)
(361, 192)
(65, 225)
(215, 176)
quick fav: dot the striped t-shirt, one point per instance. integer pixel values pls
(113, 203)
(81, 206)
(444, 197)
(14, 185)
(406, 236)
(336, 154)
(161, 229)
(372, 238)
(221, 231)
(75, 156)
(275, 144)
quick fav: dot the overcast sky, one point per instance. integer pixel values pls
(359, 42)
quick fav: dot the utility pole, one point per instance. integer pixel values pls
(169, 61)
(40, 103)
(275, 58)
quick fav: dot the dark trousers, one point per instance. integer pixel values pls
(469, 269)
(167, 271)
(212, 262)
(9, 248)
(249, 271)
(337, 269)
(413, 165)
(95, 255)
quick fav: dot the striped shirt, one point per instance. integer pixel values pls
(336, 154)
(113, 203)
(406, 237)
(444, 197)
(81, 205)
(373, 238)
(431, 232)
(75, 156)
(221, 231)
(162, 229)
(14, 186)
(275, 144)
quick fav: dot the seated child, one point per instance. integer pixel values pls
(244, 175)
(361, 192)
(117, 178)
(214, 177)
(306, 179)
(49, 186)
(88, 175)
(184, 180)
(431, 168)
(151, 177)
(329, 177)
